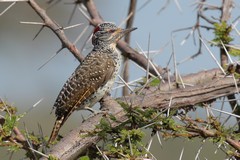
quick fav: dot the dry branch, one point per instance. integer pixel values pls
(215, 86)
(131, 14)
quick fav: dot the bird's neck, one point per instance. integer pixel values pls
(110, 49)
(106, 48)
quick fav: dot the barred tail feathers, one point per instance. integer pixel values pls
(58, 123)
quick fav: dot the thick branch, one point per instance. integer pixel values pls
(131, 13)
(74, 144)
(225, 16)
(184, 97)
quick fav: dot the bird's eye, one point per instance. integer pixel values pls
(111, 30)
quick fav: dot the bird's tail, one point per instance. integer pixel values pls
(58, 123)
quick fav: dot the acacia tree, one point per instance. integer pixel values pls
(160, 102)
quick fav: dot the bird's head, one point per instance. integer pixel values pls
(108, 34)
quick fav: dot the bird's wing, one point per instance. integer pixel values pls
(93, 73)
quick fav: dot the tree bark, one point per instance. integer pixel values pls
(208, 86)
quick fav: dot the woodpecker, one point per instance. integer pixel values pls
(93, 78)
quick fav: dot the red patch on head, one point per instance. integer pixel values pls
(96, 29)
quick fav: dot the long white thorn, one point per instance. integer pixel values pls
(178, 5)
(81, 34)
(159, 138)
(130, 144)
(213, 56)
(84, 13)
(150, 62)
(125, 83)
(32, 23)
(229, 57)
(37, 102)
(103, 155)
(126, 19)
(180, 158)
(5, 10)
(73, 26)
(235, 28)
(225, 112)
(198, 152)
(149, 144)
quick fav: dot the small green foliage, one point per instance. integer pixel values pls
(104, 127)
(169, 123)
(51, 157)
(125, 141)
(127, 144)
(10, 122)
(152, 81)
(84, 158)
(234, 52)
(134, 135)
(34, 139)
(7, 108)
(125, 106)
(139, 117)
(143, 81)
(155, 82)
(112, 117)
(14, 148)
(222, 33)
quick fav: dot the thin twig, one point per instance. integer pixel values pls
(174, 59)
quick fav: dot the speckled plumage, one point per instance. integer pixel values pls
(93, 78)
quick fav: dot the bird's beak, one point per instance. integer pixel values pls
(123, 32)
(128, 30)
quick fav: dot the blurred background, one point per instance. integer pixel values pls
(22, 84)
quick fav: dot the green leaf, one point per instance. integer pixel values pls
(234, 52)
(14, 148)
(222, 33)
(10, 122)
(155, 82)
(51, 157)
(84, 158)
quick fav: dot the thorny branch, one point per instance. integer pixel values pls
(11, 135)
(95, 20)
(56, 29)
(226, 9)
(73, 144)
